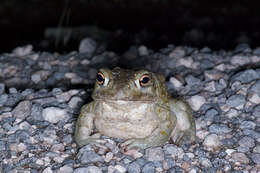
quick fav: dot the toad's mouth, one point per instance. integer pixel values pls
(124, 101)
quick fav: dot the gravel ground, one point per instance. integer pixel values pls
(41, 94)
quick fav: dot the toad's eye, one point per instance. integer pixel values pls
(144, 80)
(100, 78)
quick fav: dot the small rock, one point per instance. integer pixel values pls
(154, 154)
(120, 168)
(54, 114)
(236, 100)
(174, 150)
(90, 157)
(239, 60)
(75, 102)
(254, 98)
(178, 52)
(65, 169)
(246, 76)
(3, 99)
(134, 168)
(256, 87)
(143, 51)
(256, 111)
(176, 83)
(256, 158)
(47, 170)
(212, 141)
(257, 149)
(247, 141)
(247, 125)
(22, 110)
(240, 157)
(219, 129)
(22, 51)
(196, 102)
(148, 168)
(2, 88)
(89, 169)
(87, 45)
(205, 162)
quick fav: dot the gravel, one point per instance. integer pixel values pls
(41, 95)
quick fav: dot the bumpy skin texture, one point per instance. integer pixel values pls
(140, 111)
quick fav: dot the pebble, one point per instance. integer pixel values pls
(257, 149)
(120, 168)
(89, 169)
(22, 110)
(65, 169)
(148, 168)
(219, 129)
(256, 158)
(211, 141)
(134, 168)
(87, 45)
(256, 111)
(91, 157)
(154, 154)
(2, 88)
(240, 157)
(256, 87)
(174, 151)
(196, 102)
(247, 76)
(247, 125)
(53, 114)
(236, 100)
(143, 51)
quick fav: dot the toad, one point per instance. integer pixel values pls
(135, 106)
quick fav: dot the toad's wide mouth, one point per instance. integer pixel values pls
(124, 101)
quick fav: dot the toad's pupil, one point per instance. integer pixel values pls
(145, 80)
(100, 78)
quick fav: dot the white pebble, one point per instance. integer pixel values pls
(120, 168)
(65, 169)
(212, 141)
(47, 170)
(53, 114)
(143, 51)
(176, 83)
(196, 102)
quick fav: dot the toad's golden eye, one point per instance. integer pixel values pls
(100, 78)
(144, 80)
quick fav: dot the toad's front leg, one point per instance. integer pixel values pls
(85, 125)
(159, 136)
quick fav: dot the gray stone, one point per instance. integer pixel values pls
(148, 168)
(210, 114)
(247, 76)
(205, 162)
(247, 141)
(240, 157)
(2, 88)
(3, 99)
(247, 125)
(87, 45)
(219, 128)
(2, 145)
(90, 157)
(89, 169)
(242, 149)
(36, 112)
(256, 111)
(257, 149)
(251, 133)
(22, 110)
(192, 81)
(173, 150)
(256, 158)
(256, 87)
(211, 141)
(54, 114)
(134, 168)
(154, 154)
(236, 100)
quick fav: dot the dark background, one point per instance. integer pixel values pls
(154, 23)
